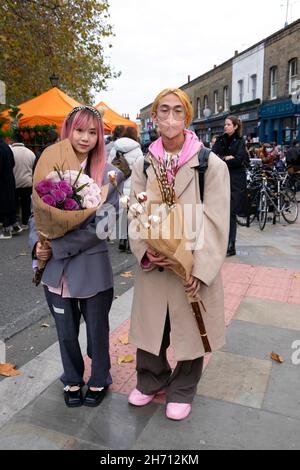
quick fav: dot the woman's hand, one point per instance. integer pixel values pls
(158, 260)
(43, 251)
(230, 157)
(193, 286)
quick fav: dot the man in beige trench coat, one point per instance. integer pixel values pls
(160, 303)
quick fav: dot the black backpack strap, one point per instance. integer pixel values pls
(203, 165)
(146, 166)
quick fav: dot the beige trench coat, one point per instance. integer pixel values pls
(156, 292)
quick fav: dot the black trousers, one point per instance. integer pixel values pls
(23, 196)
(154, 373)
(67, 315)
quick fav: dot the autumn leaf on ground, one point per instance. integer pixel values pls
(275, 357)
(9, 370)
(45, 325)
(125, 360)
(124, 340)
(127, 275)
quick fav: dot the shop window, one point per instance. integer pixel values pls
(205, 102)
(293, 75)
(273, 83)
(226, 98)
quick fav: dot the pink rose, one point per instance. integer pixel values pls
(45, 187)
(65, 187)
(49, 200)
(71, 205)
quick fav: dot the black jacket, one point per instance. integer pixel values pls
(7, 180)
(232, 145)
(235, 146)
(293, 158)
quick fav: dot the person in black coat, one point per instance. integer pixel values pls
(231, 148)
(7, 190)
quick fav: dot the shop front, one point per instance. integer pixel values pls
(207, 128)
(280, 122)
(248, 113)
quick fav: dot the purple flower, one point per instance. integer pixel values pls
(59, 196)
(65, 187)
(45, 187)
(49, 200)
(71, 205)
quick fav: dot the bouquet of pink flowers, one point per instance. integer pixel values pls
(69, 190)
(63, 196)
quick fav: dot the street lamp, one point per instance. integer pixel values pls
(54, 79)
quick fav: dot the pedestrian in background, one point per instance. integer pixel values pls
(7, 194)
(118, 132)
(231, 148)
(130, 148)
(23, 171)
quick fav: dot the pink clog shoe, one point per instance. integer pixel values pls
(136, 398)
(178, 411)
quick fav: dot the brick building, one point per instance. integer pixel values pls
(258, 85)
(279, 112)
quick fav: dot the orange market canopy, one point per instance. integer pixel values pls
(49, 108)
(113, 119)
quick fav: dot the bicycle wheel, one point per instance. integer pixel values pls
(262, 211)
(289, 206)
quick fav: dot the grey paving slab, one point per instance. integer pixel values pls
(283, 393)
(269, 312)
(259, 341)
(22, 436)
(113, 425)
(236, 379)
(18, 392)
(217, 425)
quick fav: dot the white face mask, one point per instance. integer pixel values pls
(171, 128)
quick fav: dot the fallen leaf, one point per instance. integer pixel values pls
(9, 370)
(124, 340)
(125, 360)
(275, 357)
(127, 275)
(45, 325)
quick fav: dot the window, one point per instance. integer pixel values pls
(241, 90)
(205, 102)
(273, 83)
(293, 75)
(226, 98)
(254, 86)
(216, 102)
(198, 108)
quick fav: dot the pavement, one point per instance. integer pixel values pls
(245, 399)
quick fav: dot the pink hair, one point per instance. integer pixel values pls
(83, 119)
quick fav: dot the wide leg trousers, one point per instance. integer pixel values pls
(154, 373)
(67, 315)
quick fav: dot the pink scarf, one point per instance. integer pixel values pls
(191, 147)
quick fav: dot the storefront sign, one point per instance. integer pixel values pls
(285, 108)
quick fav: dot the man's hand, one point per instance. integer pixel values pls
(43, 251)
(193, 286)
(158, 260)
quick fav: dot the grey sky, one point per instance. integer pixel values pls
(159, 43)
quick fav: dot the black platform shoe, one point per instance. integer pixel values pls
(123, 245)
(73, 399)
(94, 399)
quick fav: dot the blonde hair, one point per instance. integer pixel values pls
(184, 98)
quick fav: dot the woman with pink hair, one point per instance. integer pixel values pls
(78, 278)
